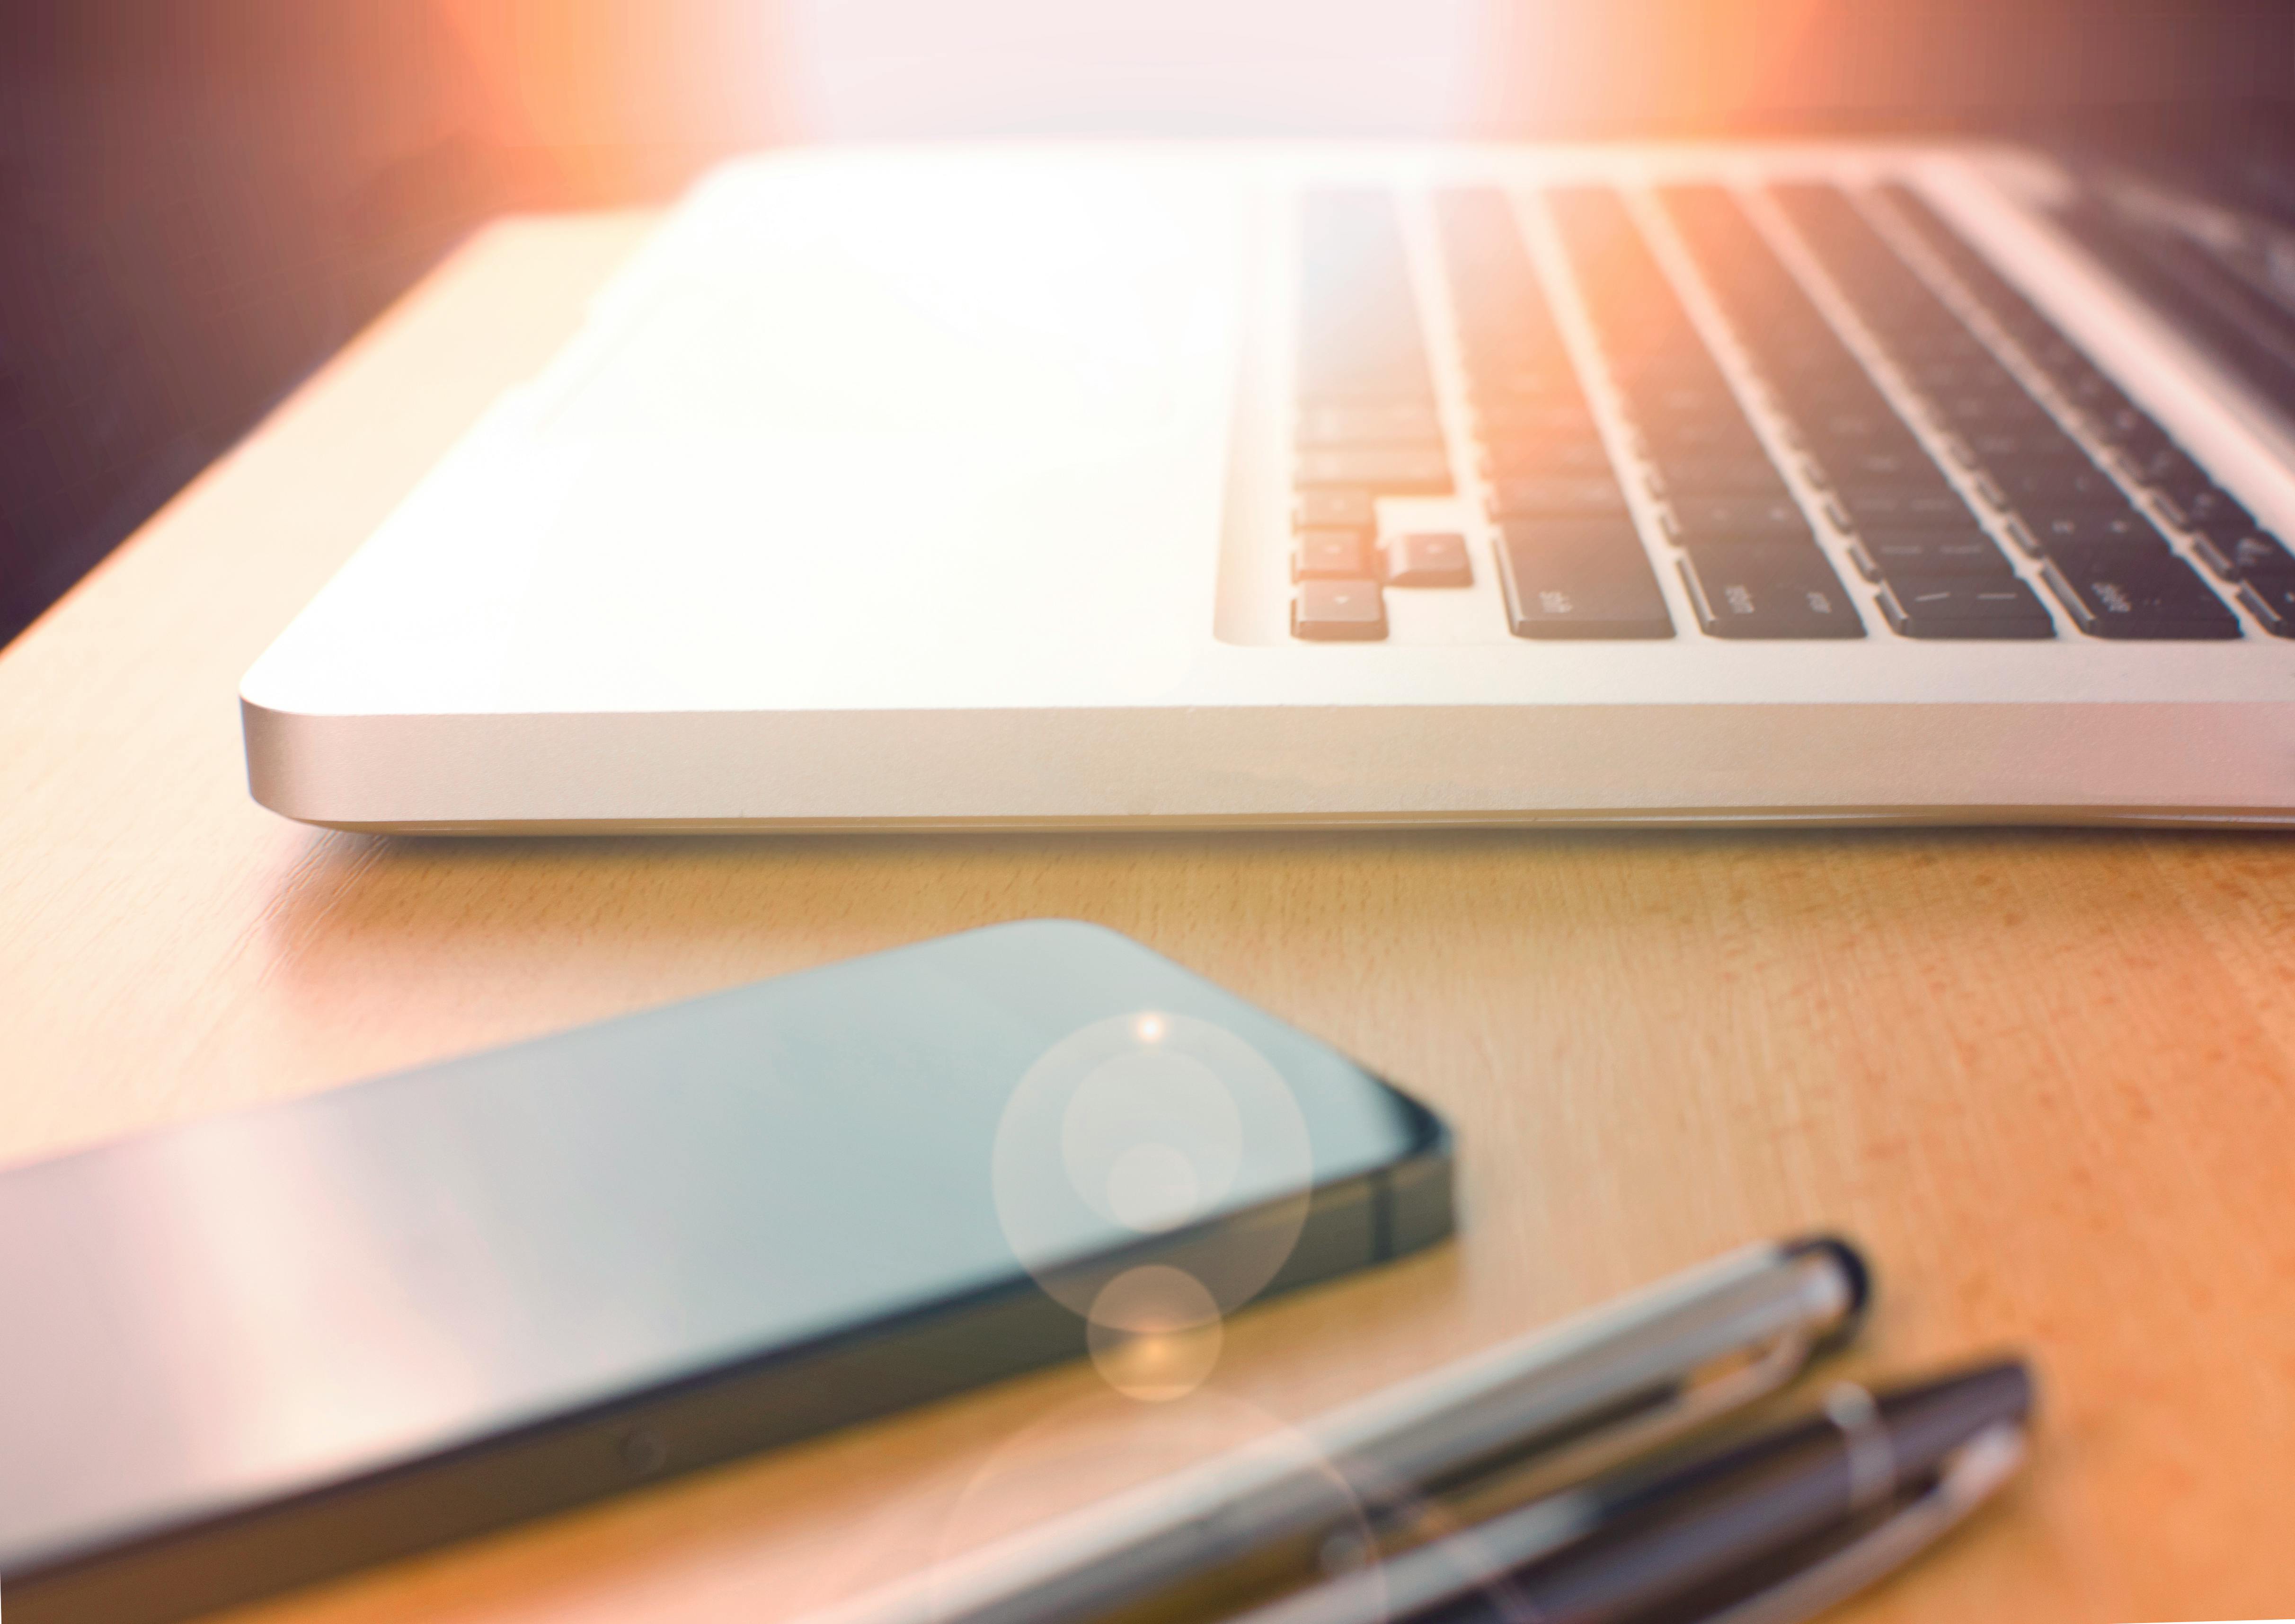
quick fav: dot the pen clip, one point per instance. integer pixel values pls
(1971, 1475)
(1715, 1390)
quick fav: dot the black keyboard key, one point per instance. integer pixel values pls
(1699, 439)
(2128, 427)
(1550, 413)
(1511, 336)
(2085, 383)
(1436, 559)
(1915, 474)
(1331, 555)
(2042, 449)
(1838, 454)
(1853, 426)
(1387, 425)
(1580, 581)
(2210, 510)
(2056, 355)
(2055, 486)
(1326, 386)
(2170, 469)
(2080, 380)
(2066, 363)
(1960, 607)
(2094, 393)
(1587, 497)
(1810, 374)
(1710, 520)
(1399, 469)
(1335, 509)
(1935, 333)
(1840, 394)
(2106, 556)
(1702, 396)
(1935, 373)
(1645, 359)
(2088, 386)
(2139, 597)
(2258, 553)
(1928, 554)
(2176, 493)
(1752, 478)
(1496, 383)
(1764, 593)
(2006, 407)
(1920, 507)
(1338, 611)
(2075, 530)
(2270, 598)
(1906, 471)
(1875, 468)
(1546, 457)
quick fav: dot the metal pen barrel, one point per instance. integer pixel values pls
(1634, 1369)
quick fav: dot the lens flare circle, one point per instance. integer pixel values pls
(1151, 1138)
(1171, 1131)
(1154, 1332)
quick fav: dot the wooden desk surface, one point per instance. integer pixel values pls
(2045, 1076)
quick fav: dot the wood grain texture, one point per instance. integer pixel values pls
(2044, 1077)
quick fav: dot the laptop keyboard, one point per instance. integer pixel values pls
(1953, 467)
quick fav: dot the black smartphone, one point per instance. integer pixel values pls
(246, 1353)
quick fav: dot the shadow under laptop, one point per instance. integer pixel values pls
(1545, 952)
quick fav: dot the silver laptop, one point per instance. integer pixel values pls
(1087, 486)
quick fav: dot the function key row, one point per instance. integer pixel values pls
(2111, 568)
(1749, 556)
(1940, 575)
(1366, 422)
(1571, 560)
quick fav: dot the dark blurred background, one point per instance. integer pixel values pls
(200, 202)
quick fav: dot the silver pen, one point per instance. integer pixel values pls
(1499, 1429)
